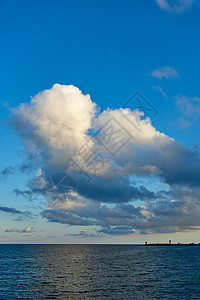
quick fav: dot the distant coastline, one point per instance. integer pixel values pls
(171, 244)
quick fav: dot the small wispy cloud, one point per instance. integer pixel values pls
(7, 171)
(26, 194)
(10, 170)
(82, 234)
(177, 7)
(159, 89)
(189, 106)
(25, 230)
(164, 72)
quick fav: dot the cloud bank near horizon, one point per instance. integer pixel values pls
(25, 230)
(92, 166)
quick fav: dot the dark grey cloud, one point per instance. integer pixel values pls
(94, 214)
(112, 191)
(175, 164)
(98, 189)
(178, 211)
(14, 211)
(10, 210)
(61, 216)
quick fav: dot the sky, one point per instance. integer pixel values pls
(100, 115)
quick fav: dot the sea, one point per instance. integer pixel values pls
(99, 272)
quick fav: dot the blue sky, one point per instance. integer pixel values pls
(109, 50)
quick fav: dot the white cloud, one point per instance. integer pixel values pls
(56, 119)
(58, 125)
(174, 6)
(164, 72)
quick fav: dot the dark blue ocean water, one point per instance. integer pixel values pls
(99, 272)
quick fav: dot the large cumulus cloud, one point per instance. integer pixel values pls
(90, 163)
